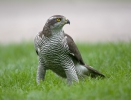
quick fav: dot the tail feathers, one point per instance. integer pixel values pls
(94, 73)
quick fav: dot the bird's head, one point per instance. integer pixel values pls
(57, 22)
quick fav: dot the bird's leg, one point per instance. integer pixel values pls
(41, 71)
(71, 75)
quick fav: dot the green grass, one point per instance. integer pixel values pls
(18, 65)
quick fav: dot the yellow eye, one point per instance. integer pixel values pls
(58, 19)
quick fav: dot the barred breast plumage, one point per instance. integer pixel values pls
(58, 52)
(54, 53)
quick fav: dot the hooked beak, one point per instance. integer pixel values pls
(67, 21)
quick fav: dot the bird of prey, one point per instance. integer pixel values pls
(57, 51)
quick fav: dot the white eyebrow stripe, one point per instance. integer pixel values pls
(51, 18)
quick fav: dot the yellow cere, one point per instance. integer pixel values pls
(58, 19)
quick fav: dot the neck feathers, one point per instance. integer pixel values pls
(47, 31)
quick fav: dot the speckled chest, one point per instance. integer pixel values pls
(55, 49)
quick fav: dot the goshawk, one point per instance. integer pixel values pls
(58, 52)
